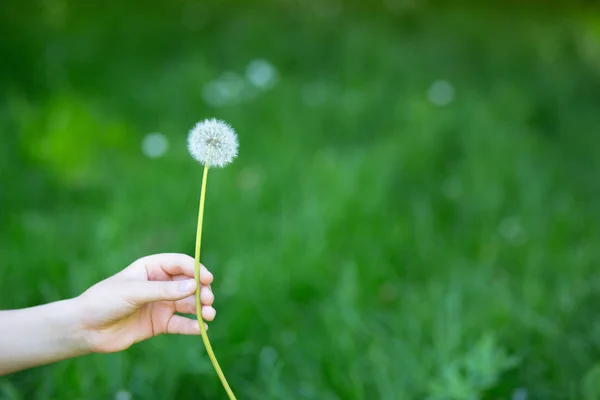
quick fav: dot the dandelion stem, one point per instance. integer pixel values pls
(209, 349)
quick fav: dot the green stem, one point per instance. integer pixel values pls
(209, 349)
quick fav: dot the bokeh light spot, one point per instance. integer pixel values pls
(155, 145)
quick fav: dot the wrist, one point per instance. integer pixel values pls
(72, 326)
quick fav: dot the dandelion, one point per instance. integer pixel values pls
(213, 143)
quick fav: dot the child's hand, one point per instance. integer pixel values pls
(141, 301)
(135, 304)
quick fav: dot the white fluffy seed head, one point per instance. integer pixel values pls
(212, 142)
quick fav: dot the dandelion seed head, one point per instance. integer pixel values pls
(212, 142)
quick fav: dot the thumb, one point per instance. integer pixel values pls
(143, 292)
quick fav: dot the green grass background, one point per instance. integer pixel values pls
(366, 244)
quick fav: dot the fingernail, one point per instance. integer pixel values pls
(186, 286)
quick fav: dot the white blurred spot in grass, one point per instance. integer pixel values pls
(268, 356)
(261, 74)
(440, 93)
(123, 395)
(512, 230)
(227, 89)
(289, 338)
(307, 391)
(155, 145)
(519, 394)
(215, 93)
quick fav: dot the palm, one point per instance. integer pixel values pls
(141, 324)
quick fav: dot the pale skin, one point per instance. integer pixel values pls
(137, 303)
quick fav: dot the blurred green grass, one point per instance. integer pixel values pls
(367, 243)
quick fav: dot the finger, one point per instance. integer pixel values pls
(142, 292)
(188, 305)
(170, 263)
(208, 313)
(206, 296)
(179, 325)
(163, 266)
(206, 277)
